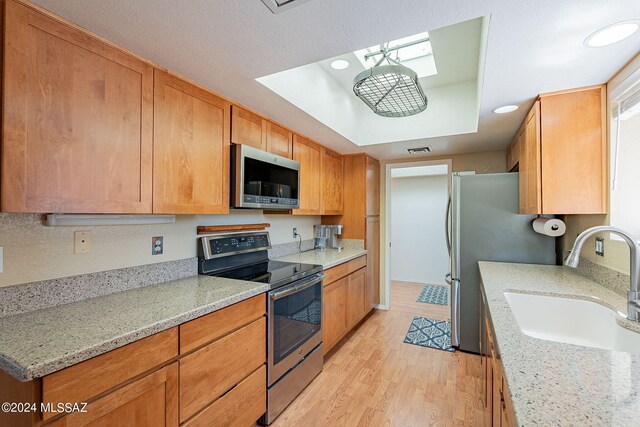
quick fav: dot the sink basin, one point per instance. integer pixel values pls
(571, 321)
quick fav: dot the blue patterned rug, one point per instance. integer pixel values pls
(434, 295)
(430, 333)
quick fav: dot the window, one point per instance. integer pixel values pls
(625, 154)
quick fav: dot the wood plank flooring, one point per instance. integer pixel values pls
(374, 379)
(404, 296)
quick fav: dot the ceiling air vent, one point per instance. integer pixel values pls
(278, 6)
(419, 150)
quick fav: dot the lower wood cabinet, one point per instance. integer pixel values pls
(334, 313)
(242, 405)
(356, 295)
(346, 300)
(497, 396)
(208, 371)
(150, 401)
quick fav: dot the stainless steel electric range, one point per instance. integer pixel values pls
(294, 309)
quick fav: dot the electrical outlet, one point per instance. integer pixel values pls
(295, 232)
(157, 245)
(82, 242)
(600, 246)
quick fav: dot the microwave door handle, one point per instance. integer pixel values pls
(286, 292)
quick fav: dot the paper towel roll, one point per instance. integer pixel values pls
(549, 226)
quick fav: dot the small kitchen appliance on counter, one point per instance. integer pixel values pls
(326, 236)
(294, 309)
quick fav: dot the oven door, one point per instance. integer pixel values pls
(295, 324)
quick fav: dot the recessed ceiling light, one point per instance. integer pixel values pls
(340, 64)
(505, 109)
(612, 34)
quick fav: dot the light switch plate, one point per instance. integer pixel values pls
(82, 242)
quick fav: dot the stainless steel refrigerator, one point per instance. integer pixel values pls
(483, 224)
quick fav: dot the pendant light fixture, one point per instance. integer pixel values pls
(390, 90)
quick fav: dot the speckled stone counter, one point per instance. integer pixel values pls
(552, 383)
(38, 343)
(326, 257)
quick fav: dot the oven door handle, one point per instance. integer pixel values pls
(297, 288)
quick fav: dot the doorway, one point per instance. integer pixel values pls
(417, 257)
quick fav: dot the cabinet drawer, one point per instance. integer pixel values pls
(148, 402)
(335, 273)
(208, 373)
(357, 264)
(202, 330)
(88, 379)
(243, 405)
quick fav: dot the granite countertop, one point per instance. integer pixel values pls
(326, 257)
(553, 383)
(40, 342)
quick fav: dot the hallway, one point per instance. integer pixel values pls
(375, 379)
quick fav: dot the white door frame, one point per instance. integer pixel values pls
(387, 210)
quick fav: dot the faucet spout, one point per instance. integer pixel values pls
(634, 289)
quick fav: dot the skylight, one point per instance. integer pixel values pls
(413, 51)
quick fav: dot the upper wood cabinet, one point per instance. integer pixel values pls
(563, 154)
(361, 186)
(251, 129)
(247, 128)
(332, 182)
(372, 187)
(77, 120)
(309, 154)
(528, 141)
(513, 154)
(191, 148)
(279, 140)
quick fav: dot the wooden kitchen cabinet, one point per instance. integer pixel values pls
(372, 245)
(331, 182)
(360, 215)
(529, 166)
(201, 372)
(279, 140)
(563, 154)
(356, 305)
(334, 313)
(309, 154)
(207, 374)
(344, 300)
(247, 128)
(513, 154)
(252, 129)
(148, 402)
(77, 120)
(191, 148)
(497, 397)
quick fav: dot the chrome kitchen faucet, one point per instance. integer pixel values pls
(633, 296)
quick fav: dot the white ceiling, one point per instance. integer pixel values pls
(453, 93)
(533, 47)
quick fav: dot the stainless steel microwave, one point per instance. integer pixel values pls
(261, 180)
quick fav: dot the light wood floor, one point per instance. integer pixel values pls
(404, 296)
(374, 379)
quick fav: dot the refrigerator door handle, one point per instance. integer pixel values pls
(447, 278)
(446, 227)
(455, 313)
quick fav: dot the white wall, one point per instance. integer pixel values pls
(418, 246)
(33, 251)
